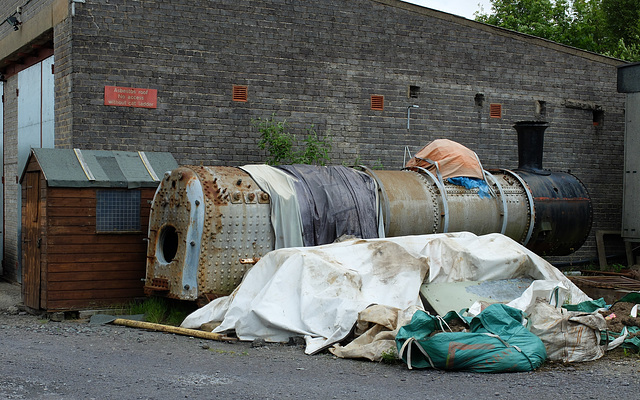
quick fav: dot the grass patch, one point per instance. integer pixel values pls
(160, 310)
(391, 357)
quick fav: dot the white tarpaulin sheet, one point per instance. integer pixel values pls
(317, 292)
(285, 212)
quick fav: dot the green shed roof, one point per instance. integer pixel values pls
(102, 168)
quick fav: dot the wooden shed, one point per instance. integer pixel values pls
(85, 218)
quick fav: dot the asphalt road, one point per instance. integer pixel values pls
(42, 359)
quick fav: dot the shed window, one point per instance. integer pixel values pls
(118, 211)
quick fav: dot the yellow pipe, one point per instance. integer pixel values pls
(172, 329)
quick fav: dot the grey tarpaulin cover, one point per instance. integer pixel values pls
(334, 201)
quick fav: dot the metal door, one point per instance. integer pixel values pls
(35, 121)
(631, 194)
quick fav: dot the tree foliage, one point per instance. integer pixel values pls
(609, 27)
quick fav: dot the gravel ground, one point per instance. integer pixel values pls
(72, 359)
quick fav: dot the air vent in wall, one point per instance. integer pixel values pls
(377, 102)
(240, 93)
(414, 92)
(495, 110)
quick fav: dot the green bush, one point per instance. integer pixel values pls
(279, 144)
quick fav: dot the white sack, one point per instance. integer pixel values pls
(375, 332)
(568, 336)
(317, 292)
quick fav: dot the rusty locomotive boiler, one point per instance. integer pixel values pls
(209, 225)
(207, 222)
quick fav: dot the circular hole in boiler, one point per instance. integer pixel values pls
(168, 243)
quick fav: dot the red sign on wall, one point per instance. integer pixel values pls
(130, 97)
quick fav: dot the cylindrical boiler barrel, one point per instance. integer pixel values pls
(563, 212)
(415, 202)
(208, 223)
(411, 203)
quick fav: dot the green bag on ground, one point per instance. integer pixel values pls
(586, 306)
(497, 342)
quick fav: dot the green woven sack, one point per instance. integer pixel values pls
(586, 306)
(497, 342)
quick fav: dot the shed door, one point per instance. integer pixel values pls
(32, 241)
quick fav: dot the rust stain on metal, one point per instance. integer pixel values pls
(249, 260)
(157, 286)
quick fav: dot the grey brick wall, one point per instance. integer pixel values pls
(11, 189)
(318, 63)
(63, 87)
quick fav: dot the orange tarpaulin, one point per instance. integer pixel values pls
(453, 159)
